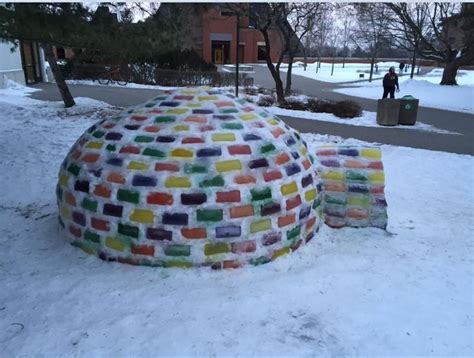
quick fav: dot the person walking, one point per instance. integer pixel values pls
(390, 81)
(401, 66)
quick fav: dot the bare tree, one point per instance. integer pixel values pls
(445, 35)
(347, 11)
(296, 21)
(321, 31)
(404, 36)
(371, 33)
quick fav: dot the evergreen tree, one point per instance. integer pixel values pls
(106, 33)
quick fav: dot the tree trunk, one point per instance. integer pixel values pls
(372, 61)
(413, 61)
(332, 68)
(288, 75)
(344, 62)
(450, 72)
(305, 54)
(58, 76)
(275, 72)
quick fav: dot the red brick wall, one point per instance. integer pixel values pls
(214, 23)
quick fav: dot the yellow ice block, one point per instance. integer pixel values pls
(248, 117)
(181, 128)
(310, 195)
(280, 252)
(114, 244)
(137, 165)
(94, 145)
(290, 188)
(177, 182)
(377, 177)
(223, 137)
(371, 153)
(63, 180)
(228, 165)
(260, 225)
(177, 110)
(142, 216)
(182, 153)
(332, 175)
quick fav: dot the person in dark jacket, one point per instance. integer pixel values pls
(390, 81)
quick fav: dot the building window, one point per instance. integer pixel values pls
(261, 53)
(227, 13)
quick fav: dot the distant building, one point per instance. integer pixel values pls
(212, 33)
(25, 64)
(219, 36)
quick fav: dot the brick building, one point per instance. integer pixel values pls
(219, 36)
(211, 30)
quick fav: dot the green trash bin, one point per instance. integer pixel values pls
(408, 110)
(388, 111)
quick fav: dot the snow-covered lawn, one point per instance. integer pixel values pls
(424, 87)
(363, 292)
(452, 98)
(350, 71)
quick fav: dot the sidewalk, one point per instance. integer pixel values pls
(462, 123)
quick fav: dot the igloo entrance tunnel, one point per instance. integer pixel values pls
(193, 177)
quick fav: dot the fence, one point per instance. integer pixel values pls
(151, 75)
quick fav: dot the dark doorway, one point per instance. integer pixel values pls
(31, 62)
(60, 53)
(241, 53)
(261, 53)
(220, 51)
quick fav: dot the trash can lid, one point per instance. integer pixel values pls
(408, 96)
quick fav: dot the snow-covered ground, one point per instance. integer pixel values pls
(350, 71)
(452, 98)
(424, 87)
(362, 292)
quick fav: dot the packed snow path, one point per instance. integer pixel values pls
(407, 291)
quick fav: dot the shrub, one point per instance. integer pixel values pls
(294, 104)
(249, 99)
(319, 105)
(251, 91)
(266, 101)
(347, 109)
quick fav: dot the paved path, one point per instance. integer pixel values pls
(457, 122)
(117, 96)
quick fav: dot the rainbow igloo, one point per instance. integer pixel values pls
(190, 178)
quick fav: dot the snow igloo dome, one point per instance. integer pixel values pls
(190, 178)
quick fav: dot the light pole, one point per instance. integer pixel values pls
(237, 53)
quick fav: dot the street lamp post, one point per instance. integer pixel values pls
(237, 54)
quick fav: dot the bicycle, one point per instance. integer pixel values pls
(112, 76)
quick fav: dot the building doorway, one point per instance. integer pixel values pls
(241, 53)
(31, 62)
(261, 53)
(220, 52)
